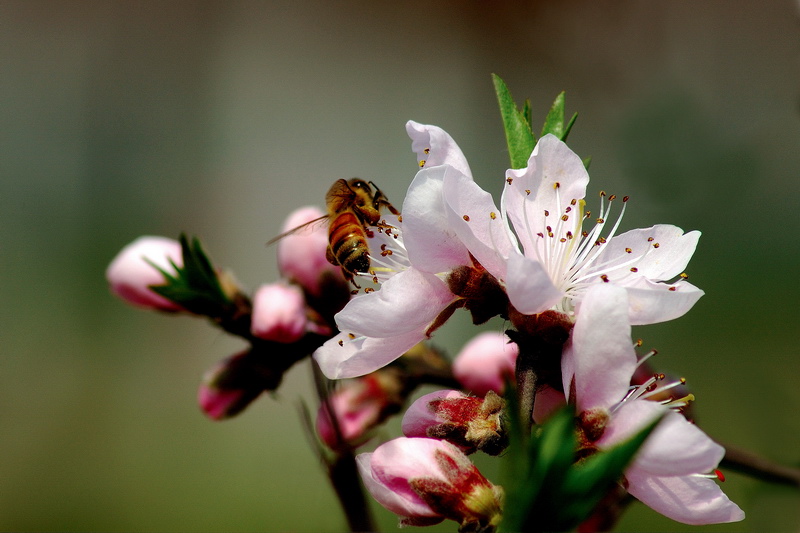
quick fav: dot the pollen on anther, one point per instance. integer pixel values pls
(493, 215)
(600, 220)
(573, 202)
(564, 217)
(569, 235)
(683, 381)
(354, 292)
(421, 163)
(612, 197)
(351, 336)
(509, 180)
(634, 269)
(427, 151)
(656, 245)
(604, 278)
(368, 290)
(684, 275)
(602, 193)
(374, 279)
(527, 191)
(466, 218)
(399, 218)
(556, 185)
(341, 342)
(650, 239)
(628, 251)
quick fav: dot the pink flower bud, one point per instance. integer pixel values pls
(469, 422)
(485, 363)
(359, 405)
(230, 386)
(426, 480)
(279, 313)
(130, 276)
(302, 254)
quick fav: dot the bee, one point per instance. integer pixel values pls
(353, 207)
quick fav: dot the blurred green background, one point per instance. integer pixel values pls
(119, 119)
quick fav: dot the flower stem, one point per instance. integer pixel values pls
(346, 483)
(747, 462)
(527, 379)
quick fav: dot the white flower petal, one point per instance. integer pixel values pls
(361, 355)
(651, 302)
(664, 250)
(554, 177)
(435, 147)
(472, 214)
(600, 353)
(675, 448)
(408, 301)
(431, 243)
(688, 499)
(528, 285)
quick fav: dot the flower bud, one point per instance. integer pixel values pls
(485, 363)
(469, 422)
(359, 405)
(130, 275)
(302, 255)
(427, 480)
(230, 386)
(279, 313)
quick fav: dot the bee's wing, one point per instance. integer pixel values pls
(311, 224)
(339, 196)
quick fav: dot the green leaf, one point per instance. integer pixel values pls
(554, 122)
(550, 489)
(516, 124)
(195, 286)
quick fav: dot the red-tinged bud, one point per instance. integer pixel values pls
(486, 363)
(302, 254)
(131, 273)
(231, 386)
(279, 313)
(360, 405)
(425, 481)
(469, 422)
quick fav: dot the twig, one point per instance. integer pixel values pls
(752, 464)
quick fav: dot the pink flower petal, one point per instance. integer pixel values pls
(688, 499)
(600, 353)
(279, 313)
(548, 401)
(435, 147)
(130, 274)
(400, 503)
(395, 309)
(431, 243)
(528, 285)
(478, 223)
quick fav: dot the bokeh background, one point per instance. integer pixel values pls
(119, 119)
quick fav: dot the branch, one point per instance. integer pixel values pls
(747, 462)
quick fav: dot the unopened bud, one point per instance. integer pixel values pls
(486, 363)
(231, 386)
(302, 254)
(359, 405)
(425, 481)
(131, 274)
(279, 313)
(469, 422)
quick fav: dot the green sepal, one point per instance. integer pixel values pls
(195, 286)
(547, 488)
(516, 123)
(554, 122)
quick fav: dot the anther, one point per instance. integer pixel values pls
(556, 185)
(650, 239)
(628, 251)
(421, 163)
(564, 217)
(602, 194)
(684, 275)
(625, 198)
(656, 245)
(466, 218)
(612, 197)
(351, 336)
(493, 215)
(604, 277)
(546, 213)
(341, 342)
(368, 290)
(527, 191)
(634, 269)
(509, 180)
(673, 289)
(427, 151)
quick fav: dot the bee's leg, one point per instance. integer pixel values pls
(380, 200)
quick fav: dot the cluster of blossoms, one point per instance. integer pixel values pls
(568, 283)
(571, 286)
